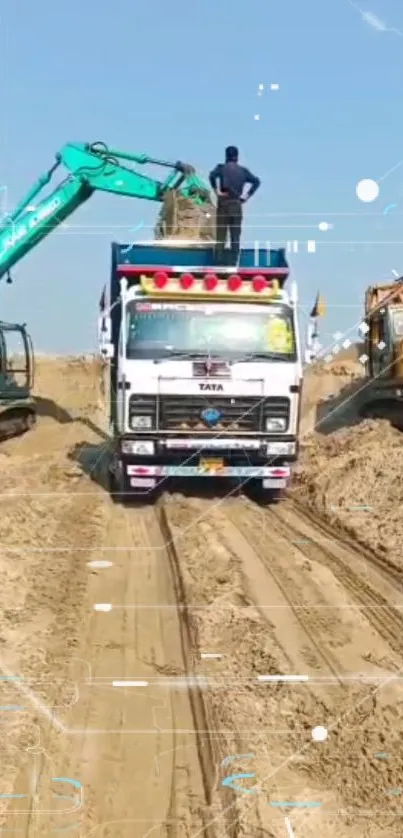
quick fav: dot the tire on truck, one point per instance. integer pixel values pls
(121, 493)
(262, 496)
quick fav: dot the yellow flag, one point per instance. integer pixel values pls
(319, 307)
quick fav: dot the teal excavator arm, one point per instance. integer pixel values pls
(91, 167)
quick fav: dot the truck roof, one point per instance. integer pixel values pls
(179, 256)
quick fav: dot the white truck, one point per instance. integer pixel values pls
(205, 368)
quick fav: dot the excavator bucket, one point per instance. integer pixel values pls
(382, 400)
(181, 218)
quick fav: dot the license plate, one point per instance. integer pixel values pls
(211, 463)
(142, 482)
(269, 483)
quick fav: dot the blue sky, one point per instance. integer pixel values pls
(177, 81)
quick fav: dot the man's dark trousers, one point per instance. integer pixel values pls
(229, 219)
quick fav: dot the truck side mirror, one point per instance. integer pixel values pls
(107, 350)
(104, 329)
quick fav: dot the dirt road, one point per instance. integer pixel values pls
(285, 599)
(212, 629)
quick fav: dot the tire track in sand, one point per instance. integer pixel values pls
(143, 768)
(371, 584)
(264, 602)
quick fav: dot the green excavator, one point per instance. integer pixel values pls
(90, 168)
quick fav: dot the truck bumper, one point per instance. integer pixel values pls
(148, 476)
(143, 473)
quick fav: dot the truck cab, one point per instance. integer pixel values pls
(17, 405)
(205, 368)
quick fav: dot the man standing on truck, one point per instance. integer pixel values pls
(228, 181)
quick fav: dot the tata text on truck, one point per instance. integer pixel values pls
(205, 368)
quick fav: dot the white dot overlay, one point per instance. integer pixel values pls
(319, 734)
(367, 190)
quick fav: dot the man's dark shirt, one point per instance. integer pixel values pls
(232, 180)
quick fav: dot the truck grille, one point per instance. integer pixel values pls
(237, 414)
(184, 413)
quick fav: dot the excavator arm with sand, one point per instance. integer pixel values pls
(90, 167)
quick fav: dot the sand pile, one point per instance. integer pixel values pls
(325, 385)
(353, 476)
(180, 218)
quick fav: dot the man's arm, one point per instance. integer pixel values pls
(214, 178)
(254, 184)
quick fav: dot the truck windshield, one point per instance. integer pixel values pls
(159, 330)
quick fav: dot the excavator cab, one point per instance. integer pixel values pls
(17, 405)
(382, 396)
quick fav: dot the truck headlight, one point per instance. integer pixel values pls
(280, 449)
(276, 423)
(137, 446)
(141, 423)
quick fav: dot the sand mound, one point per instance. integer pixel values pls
(70, 406)
(352, 476)
(353, 479)
(323, 384)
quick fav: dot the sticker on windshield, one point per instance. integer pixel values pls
(144, 307)
(279, 336)
(164, 307)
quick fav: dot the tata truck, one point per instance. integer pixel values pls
(205, 370)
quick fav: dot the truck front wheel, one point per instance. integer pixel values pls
(120, 493)
(116, 488)
(265, 497)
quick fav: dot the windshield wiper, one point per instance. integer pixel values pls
(222, 357)
(266, 356)
(190, 355)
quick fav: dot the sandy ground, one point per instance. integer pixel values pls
(196, 745)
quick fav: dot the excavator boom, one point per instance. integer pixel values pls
(20, 236)
(91, 168)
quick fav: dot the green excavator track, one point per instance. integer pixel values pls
(16, 417)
